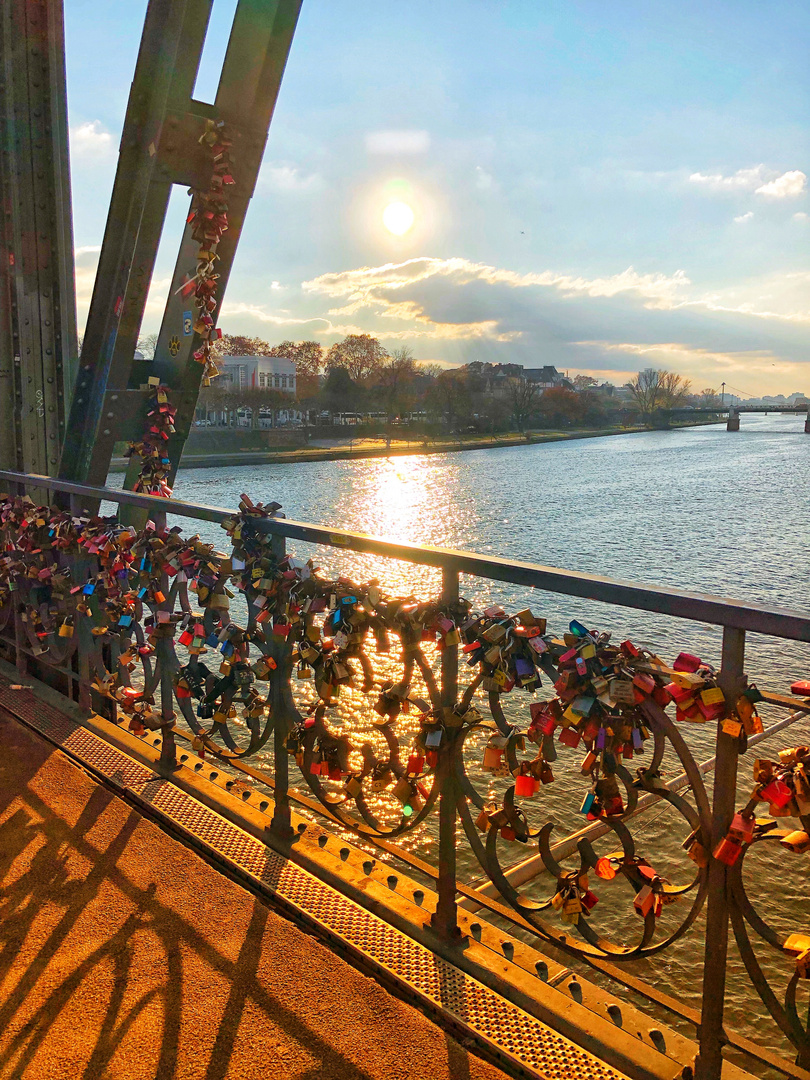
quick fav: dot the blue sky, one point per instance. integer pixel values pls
(598, 186)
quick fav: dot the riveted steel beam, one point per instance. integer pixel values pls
(38, 347)
(160, 148)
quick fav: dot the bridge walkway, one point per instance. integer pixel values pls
(123, 954)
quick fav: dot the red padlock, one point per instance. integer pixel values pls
(525, 786)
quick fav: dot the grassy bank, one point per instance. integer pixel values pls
(370, 448)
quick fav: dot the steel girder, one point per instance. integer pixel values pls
(159, 148)
(38, 347)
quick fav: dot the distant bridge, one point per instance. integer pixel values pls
(733, 413)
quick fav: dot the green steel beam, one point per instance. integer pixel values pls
(38, 346)
(160, 148)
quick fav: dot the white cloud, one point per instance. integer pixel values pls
(801, 216)
(741, 180)
(232, 309)
(787, 186)
(363, 284)
(90, 142)
(397, 142)
(759, 179)
(483, 180)
(745, 217)
(289, 179)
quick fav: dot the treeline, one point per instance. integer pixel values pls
(358, 376)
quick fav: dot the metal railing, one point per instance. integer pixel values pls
(448, 717)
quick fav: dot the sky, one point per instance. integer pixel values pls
(600, 186)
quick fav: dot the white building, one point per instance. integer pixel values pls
(258, 372)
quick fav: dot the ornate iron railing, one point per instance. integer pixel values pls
(106, 610)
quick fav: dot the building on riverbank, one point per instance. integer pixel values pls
(258, 373)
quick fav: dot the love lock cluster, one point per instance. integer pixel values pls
(152, 478)
(209, 220)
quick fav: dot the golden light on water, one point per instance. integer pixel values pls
(398, 217)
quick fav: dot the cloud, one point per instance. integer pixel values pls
(288, 179)
(787, 186)
(801, 216)
(759, 179)
(704, 364)
(90, 142)
(364, 284)
(484, 181)
(234, 309)
(744, 217)
(378, 291)
(397, 143)
(741, 180)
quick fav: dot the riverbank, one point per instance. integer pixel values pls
(375, 448)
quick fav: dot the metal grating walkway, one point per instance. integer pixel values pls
(439, 986)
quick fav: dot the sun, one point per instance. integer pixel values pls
(398, 217)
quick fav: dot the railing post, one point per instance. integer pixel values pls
(281, 703)
(445, 918)
(709, 1062)
(168, 747)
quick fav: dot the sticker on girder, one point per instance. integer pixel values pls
(174, 346)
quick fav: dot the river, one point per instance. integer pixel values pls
(695, 508)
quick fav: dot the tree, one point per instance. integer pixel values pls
(560, 406)
(360, 354)
(674, 388)
(451, 395)
(340, 393)
(522, 397)
(308, 357)
(395, 374)
(148, 346)
(708, 399)
(654, 389)
(584, 382)
(239, 345)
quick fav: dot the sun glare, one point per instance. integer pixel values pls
(398, 218)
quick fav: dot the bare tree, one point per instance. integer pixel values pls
(147, 346)
(708, 398)
(452, 396)
(522, 396)
(674, 389)
(393, 383)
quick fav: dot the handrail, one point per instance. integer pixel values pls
(678, 603)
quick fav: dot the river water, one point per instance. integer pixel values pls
(698, 509)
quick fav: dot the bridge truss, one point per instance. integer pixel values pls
(64, 413)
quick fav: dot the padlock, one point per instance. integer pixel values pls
(416, 763)
(798, 841)
(729, 849)
(644, 901)
(381, 778)
(525, 786)
(605, 869)
(353, 786)
(66, 629)
(493, 757)
(570, 736)
(402, 790)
